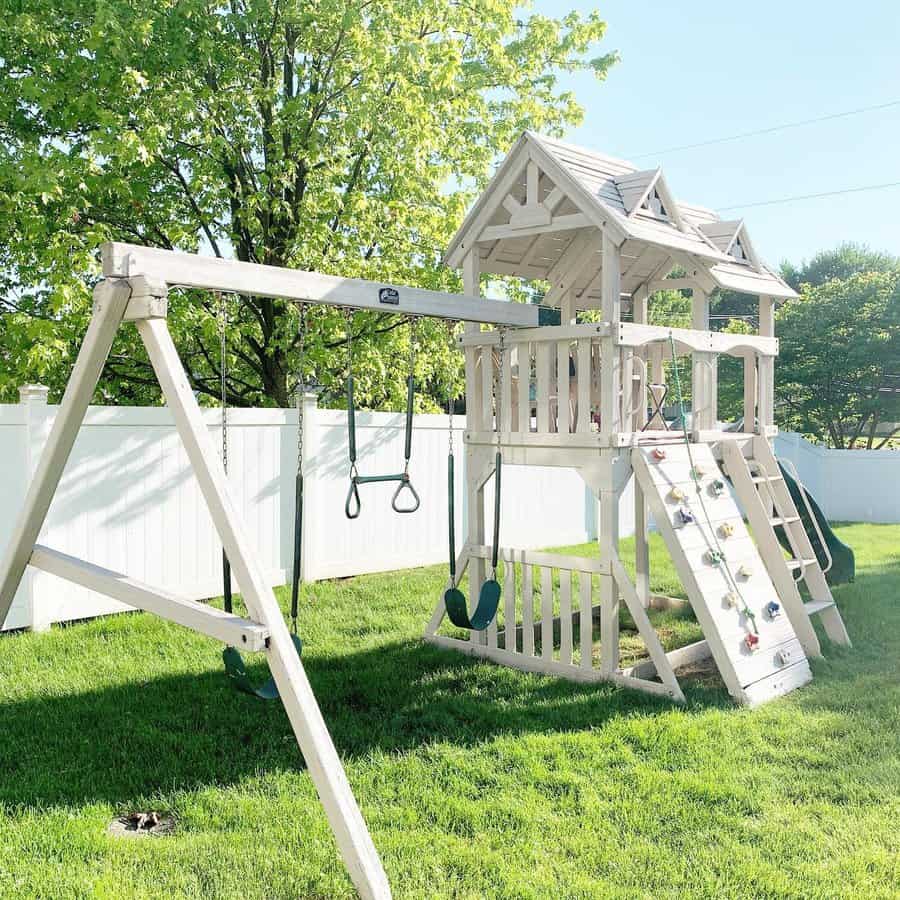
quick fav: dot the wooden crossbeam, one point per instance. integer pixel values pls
(208, 620)
(207, 273)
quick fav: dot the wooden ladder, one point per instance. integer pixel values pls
(767, 502)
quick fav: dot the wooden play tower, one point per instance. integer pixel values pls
(604, 236)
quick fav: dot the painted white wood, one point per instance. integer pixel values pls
(609, 595)
(645, 629)
(610, 375)
(523, 389)
(565, 617)
(110, 300)
(769, 547)
(541, 666)
(547, 613)
(590, 564)
(527, 610)
(586, 621)
(509, 605)
(326, 771)
(707, 585)
(629, 334)
(542, 368)
(210, 273)
(583, 381)
(546, 333)
(567, 222)
(563, 403)
(208, 620)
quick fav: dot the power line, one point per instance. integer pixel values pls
(856, 190)
(770, 130)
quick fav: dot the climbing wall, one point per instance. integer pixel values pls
(757, 662)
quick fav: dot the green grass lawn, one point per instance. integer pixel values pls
(476, 781)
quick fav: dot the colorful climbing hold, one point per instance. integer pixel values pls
(773, 609)
(752, 641)
(717, 487)
(715, 557)
(677, 494)
(730, 599)
(659, 453)
(744, 572)
(685, 516)
(726, 529)
(698, 472)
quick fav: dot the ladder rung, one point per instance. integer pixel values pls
(800, 563)
(817, 606)
(784, 520)
(759, 479)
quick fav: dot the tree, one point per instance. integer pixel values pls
(342, 137)
(838, 374)
(845, 260)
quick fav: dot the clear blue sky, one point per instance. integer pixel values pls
(697, 70)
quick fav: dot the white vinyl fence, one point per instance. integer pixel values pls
(849, 485)
(129, 502)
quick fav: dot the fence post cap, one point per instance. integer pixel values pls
(33, 393)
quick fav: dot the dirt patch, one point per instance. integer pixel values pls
(142, 824)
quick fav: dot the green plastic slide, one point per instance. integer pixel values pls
(843, 567)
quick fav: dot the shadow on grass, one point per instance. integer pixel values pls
(181, 732)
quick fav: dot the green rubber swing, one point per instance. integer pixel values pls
(489, 596)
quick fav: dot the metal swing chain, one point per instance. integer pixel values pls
(501, 353)
(300, 386)
(222, 323)
(498, 413)
(300, 389)
(411, 371)
(348, 318)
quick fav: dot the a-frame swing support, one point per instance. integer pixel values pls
(135, 289)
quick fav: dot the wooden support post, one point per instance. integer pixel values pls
(477, 419)
(749, 391)
(766, 365)
(641, 543)
(610, 371)
(325, 769)
(609, 592)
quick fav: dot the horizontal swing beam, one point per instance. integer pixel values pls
(208, 273)
(208, 620)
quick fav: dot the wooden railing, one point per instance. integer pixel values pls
(550, 383)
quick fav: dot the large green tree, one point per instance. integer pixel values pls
(838, 373)
(346, 137)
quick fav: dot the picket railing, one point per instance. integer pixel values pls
(550, 385)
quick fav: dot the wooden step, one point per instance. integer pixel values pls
(783, 520)
(817, 606)
(760, 479)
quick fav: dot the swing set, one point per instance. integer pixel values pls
(457, 605)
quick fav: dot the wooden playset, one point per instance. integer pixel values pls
(542, 388)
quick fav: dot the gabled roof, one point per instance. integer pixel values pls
(590, 192)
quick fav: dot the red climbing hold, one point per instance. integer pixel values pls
(752, 641)
(659, 453)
